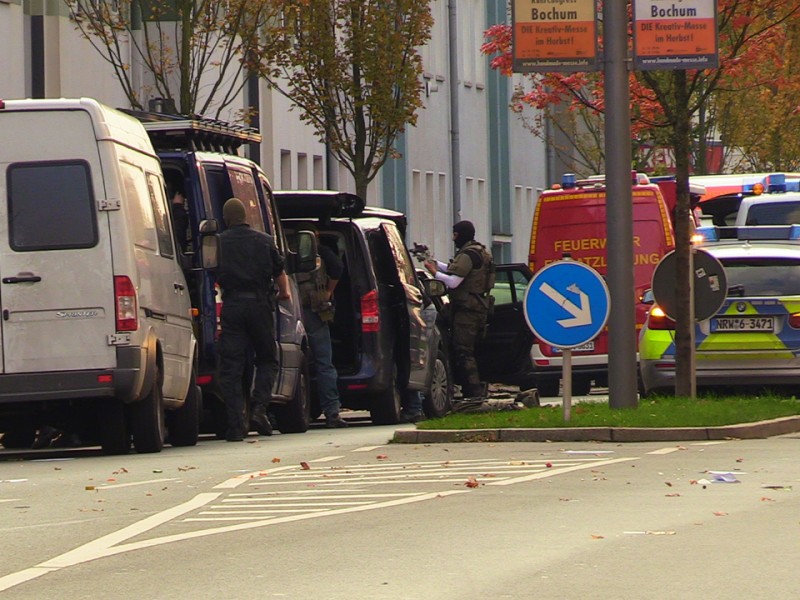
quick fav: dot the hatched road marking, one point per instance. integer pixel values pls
(293, 493)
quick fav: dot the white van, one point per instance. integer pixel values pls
(96, 329)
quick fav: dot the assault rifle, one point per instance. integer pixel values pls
(421, 252)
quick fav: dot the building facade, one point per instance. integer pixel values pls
(467, 157)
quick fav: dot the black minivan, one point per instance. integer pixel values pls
(387, 343)
(198, 158)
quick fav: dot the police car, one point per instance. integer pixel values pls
(754, 339)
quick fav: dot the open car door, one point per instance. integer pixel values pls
(503, 356)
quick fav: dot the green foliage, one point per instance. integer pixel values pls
(661, 411)
(353, 69)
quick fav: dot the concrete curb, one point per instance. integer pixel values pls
(760, 429)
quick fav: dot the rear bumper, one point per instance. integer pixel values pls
(123, 382)
(552, 366)
(659, 375)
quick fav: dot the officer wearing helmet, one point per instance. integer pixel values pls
(249, 265)
(470, 277)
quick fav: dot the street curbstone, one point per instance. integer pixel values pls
(761, 429)
(566, 434)
(658, 434)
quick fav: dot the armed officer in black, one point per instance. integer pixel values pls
(249, 264)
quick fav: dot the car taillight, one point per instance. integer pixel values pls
(794, 320)
(659, 320)
(126, 305)
(370, 315)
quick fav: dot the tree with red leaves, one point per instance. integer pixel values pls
(675, 105)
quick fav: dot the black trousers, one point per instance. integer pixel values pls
(248, 333)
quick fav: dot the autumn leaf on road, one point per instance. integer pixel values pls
(304, 466)
(472, 482)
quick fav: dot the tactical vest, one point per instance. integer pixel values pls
(312, 286)
(474, 290)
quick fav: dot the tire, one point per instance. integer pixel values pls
(147, 419)
(295, 417)
(183, 424)
(18, 438)
(385, 407)
(115, 438)
(438, 400)
(581, 386)
(548, 388)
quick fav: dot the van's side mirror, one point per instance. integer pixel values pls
(434, 287)
(648, 297)
(209, 251)
(305, 246)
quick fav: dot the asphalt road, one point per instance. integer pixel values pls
(335, 514)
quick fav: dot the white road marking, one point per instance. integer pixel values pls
(367, 448)
(325, 459)
(553, 471)
(384, 473)
(104, 546)
(9, 499)
(133, 483)
(665, 450)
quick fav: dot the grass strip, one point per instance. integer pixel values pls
(658, 411)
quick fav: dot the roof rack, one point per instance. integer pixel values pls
(193, 132)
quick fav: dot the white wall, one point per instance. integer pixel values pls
(12, 51)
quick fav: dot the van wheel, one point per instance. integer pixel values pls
(295, 417)
(147, 419)
(548, 388)
(385, 407)
(183, 424)
(115, 438)
(439, 400)
(18, 438)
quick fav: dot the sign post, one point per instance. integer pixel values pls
(566, 305)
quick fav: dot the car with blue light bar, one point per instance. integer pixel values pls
(754, 338)
(726, 198)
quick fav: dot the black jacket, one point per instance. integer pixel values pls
(249, 261)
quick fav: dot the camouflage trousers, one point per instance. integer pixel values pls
(467, 330)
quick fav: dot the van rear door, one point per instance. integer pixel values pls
(57, 290)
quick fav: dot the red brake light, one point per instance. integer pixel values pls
(794, 320)
(370, 315)
(659, 320)
(126, 304)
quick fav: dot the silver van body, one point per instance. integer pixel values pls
(96, 322)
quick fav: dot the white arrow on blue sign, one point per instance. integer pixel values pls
(566, 304)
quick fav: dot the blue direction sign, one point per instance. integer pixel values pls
(566, 304)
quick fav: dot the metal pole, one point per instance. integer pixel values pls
(566, 378)
(622, 392)
(455, 141)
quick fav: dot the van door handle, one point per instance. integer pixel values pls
(23, 278)
(179, 287)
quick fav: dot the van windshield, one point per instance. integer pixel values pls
(763, 277)
(774, 213)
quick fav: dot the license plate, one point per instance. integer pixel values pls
(737, 324)
(587, 347)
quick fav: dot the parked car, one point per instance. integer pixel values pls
(754, 338)
(386, 340)
(198, 157)
(96, 331)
